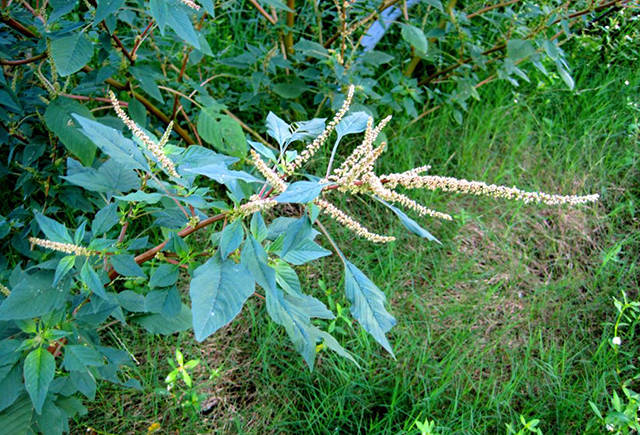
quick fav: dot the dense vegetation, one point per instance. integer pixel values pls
(129, 244)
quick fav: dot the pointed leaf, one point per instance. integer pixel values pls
(409, 223)
(39, 370)
(231, 238)
(277, 129)
(218, 291)
(367, 305)
(71, 53)
(53, 230)
(301, 192)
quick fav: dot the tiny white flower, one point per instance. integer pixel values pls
(617, 341)
(515, 100)
(610, 427)
(626, 82)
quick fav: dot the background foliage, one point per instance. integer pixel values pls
(69, 329)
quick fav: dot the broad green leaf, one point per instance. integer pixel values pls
(351, 124)
(263, 150)
(287, 278)
(290, 89)
(409, 223)
(92, 280)
(564, 74)
(519, 49)
(59, 121)
(165, 324)
(110, 177)
(147, 79)
(53, 230)
(51, 421)
(132, 301)
(11, 385)
(306, 129)
(39, 370)
(79, 358)
(159, 11)
(301, 192)
(178, 19)
(106, 8)
(164, 275)
(223, 132)
(64, 266)
(416, 38)
(71, 406)
(16, 420)
(222, 175)
(113, 143)
(367, 305)
(165, 302)
(278, 129)
(298, 246)
(140, 196)
(125, 265)
(85, 382)
(218, 291)
(295, 313)
(254, 258)
(60, 9)
(258, 228)
(31, 297)
(105, 219)
(71, 53)
(231, 238)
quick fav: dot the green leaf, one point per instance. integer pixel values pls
(564, 74)
(60, 9)
(223, 132)
(409, 223)
(71, 53)
(287, 278)
(132, 301)
(39, 370)
(16, 420)
(165, 302)
(125, 265)
(254, 258)
(11, 385)
(160, 12)
(352, 124)
(164, 275)
(84, 382)
(301, 192)
(140, 196)
(221, 174)
(416, 38)
(105, 219)
(92, 280)
(519, 49)
(106, 8)
(180, 22)
(298, 246)
(53, 230)
(58, 119)
(258, 227)
(278, 129)
(166, 325)
(31, 297)
(111, 177)
(64, 266)
(367, 305)
(295, 313)
(218, 291)
(113, 143)
(79, 358)
(291, 89)
(231, 238)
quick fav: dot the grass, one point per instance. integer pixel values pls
(510, 316)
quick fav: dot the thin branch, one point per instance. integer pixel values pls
(262, 11)
(490, 8)
(23, 61)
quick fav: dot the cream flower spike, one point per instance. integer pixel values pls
(153, 147)
(314, 146)
(67, 248)
(191, 4)
(348, 222)
(272, 177)
(5, 291)
(256, 204)
(479, 188)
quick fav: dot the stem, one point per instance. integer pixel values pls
(262, 11)
(288, 38)
(23, 61)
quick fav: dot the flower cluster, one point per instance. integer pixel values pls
(67, 248)
(155, 148)
(350, 223)
(314, 146)
(271, 176)
(191, 4)
(256, 204)
(4, 290)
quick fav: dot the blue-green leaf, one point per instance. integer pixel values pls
(105, 219)
(64, 266)
(221, 174)
(166, 324)
(16, 420)
(231, 238)
(59, 121)
(132, 301)
(254, 258)
(278, 129)
(78, 357)
(351, 124)
(71, 53)
(53, 230)
(367, 305)
(301, 192)
(106, 8)
(31, 297)
(180, 22)
(125, 265)
(92, 280)
(39, 370)
(409, 223)
(287, 278)
(218, 291)
(164, 275)
(258, 227)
